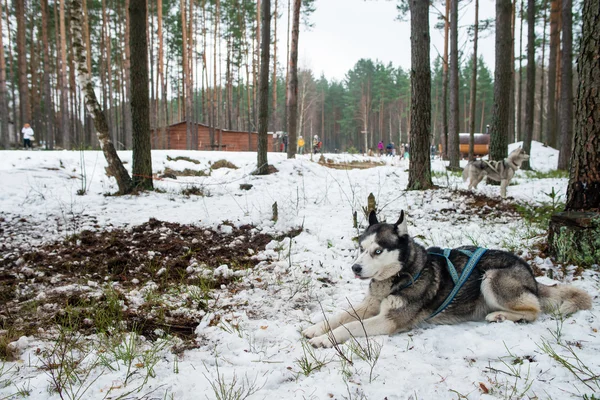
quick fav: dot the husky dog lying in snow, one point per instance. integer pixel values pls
(502, 171)
(411, 284)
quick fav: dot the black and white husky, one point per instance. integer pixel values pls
(502, 171)
(411, 284)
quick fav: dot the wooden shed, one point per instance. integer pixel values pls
(174, 138)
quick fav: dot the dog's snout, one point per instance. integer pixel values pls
(356, 269)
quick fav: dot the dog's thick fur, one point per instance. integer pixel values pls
(502, 286)
(502, 171)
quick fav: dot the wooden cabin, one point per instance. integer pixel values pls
(481, 146)
(174, 138)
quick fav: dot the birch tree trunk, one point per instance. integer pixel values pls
(530, 89)
(292, 88)
(263, 113)
(115, 166)
(419, 171)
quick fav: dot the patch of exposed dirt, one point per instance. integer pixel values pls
(329, 163)
(158, 277)
(478, 204)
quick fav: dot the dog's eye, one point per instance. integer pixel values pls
(378, 251)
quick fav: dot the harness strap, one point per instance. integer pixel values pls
(458, 282)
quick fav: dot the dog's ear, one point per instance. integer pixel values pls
(400, 226)
(373, 218)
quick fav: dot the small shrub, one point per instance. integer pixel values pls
(222, 164)
(185, 172)
(181, 158)
(194, 191)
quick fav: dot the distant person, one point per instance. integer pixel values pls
(300, 145)
(406, 151)
(285, 142)
(27, 136)
(432, 149)
(402, 150)
(389, 148)
(380, 147)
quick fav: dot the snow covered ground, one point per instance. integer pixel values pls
(258, 341)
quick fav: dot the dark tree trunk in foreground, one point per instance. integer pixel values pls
(453, 141)
(292, 87)
(263, 105)
(502, 77)
(115, 166)
(566, 86)
(530, 88)
(140, 105)
(473, 99)
(4, 135)
(574, 235)
(583, 192)
(445, 84)
(419, 172)
(22, 67)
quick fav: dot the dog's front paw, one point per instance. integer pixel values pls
(321, 341)
(495, 317)
(315, 330)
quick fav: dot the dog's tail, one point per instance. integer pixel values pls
(466, 172)
(563, 299)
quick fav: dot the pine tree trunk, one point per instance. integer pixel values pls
(473, 99)
(292, 88)
(512, 97)
(530, 89)
(453, 140)
(445, 128)
(89, 121)
(502, 78)
(566, 88)
(64, 90)
(115, 166)
(520, 86)
(127, 110)
(542, 85)
(419, 172)
(140, 107)
(25, 115)
(4, 135)
(583, 192)
(263, 113)
(551, 120)
(161, 79)
(274, 79)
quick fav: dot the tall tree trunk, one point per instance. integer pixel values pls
(263, 113)
(520, 87)
(540, 135)
(551, 120)
(115, 166)
(583, 192)
(566, 88)
(89, 121)
(445, 129)
(128, 124)
(4, 135)
(473, 99)
(274, 83)
(24, 110)
(512, 97)
(140, 107)
(502, 78)
(419, 172)
(292, 88)
(215, 83)
(64, 90)
(530, 89)
(161, 78)
(453, 139)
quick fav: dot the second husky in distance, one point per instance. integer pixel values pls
(501, 171)
(410, 285)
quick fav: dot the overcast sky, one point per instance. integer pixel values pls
(345, 31)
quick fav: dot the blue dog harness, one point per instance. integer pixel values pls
(459, 281)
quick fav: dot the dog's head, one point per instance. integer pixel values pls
(380, 249)
(518, 155)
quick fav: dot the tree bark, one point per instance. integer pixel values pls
(445, 83)
(115, 166)
(4, 135)
(64, 89)
(263, 112)
(453, 140)
(551, 120)
(473, 98)
(502, 78)
(530, 89)
(583, 192)
(140, 107)
(566, 86)
(128, 124)
(542, 85)
(292, 88)
(520, 86)
(419, 172)
(24, 108)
